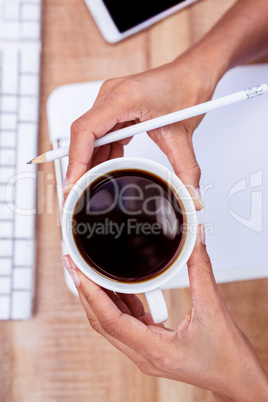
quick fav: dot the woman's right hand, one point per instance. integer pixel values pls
(240, 36)
(136, 98)
(206, 349)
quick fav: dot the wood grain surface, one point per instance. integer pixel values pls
(56, 356)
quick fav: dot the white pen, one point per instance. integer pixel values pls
(161, 121)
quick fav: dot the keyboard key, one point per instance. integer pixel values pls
(5, 266)
(23, 253)
(29, 85)
(8, 157)
(24, 226)
(4, 307)
(22, 278)
(5, 285)
(6, 174)
(7, 139)
(31, 12)
(26, 187)
(9, 104)
(28, 109)
(25, 190)
(12, 11)
(9, 194)
(5, 214)
(8, 121)
(6, 230)
(10, 68)
(30, 30)
(6, 249)
(2, 192)
(34, 1)
(21, 305)
(10, 30)
(30, 59)
(27, 146)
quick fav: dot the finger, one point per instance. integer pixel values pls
(124, 124)
(116, 150)
(84, 131)
(121, 305)
(147, 341)
(96, 122)
(101, 155)
(138, 359)
(203, 286)
(106, 152)
(134, 304)
(178, 147)
(137, 309)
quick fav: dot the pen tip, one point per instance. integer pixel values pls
(29, 163)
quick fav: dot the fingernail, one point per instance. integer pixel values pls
(199, 196)
(65, 185)
(72, 272)
(202, 234)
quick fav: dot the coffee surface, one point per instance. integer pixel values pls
(128, 225)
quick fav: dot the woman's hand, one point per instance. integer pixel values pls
(207, 349)
(240, 36)
(136, 98)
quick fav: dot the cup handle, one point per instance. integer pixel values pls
(157, 305)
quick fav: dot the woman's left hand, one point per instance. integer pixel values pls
(207, 349)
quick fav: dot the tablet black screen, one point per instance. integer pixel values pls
(127, 14)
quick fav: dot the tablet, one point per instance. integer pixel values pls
(118, 19)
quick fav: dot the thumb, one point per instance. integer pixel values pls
(178, 147)
(84, 131)
(203, 286)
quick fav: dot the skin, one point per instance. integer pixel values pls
(240, 36)
(135, 99)
(194, 351)
(207, 349)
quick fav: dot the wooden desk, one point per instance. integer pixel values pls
(56, 356)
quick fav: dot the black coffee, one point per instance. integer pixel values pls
(128, 225)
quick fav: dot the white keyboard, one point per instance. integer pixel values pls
(20, 45)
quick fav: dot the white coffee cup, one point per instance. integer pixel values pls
(151, 287)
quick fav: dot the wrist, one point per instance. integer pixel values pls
(210, 56)
(201, 70)
(254, 388)
(239, 37)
